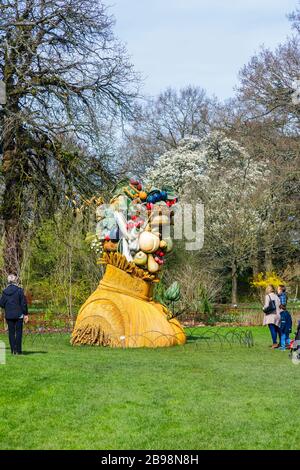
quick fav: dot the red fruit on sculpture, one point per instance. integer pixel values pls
(133, 181)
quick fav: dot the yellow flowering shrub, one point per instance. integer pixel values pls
(262, 280)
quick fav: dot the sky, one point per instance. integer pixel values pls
(198, 42)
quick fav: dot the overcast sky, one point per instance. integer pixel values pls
(199, 42)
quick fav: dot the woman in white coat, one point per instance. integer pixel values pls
(272, 319)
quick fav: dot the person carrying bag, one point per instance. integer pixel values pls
(272, 315)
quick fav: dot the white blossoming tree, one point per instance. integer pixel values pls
(179, 168)
(217, 171)
(195, 161)
(233, 218)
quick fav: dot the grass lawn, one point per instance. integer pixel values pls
(189, 397)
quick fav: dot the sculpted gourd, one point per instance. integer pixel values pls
(148, 242)
(169, 243)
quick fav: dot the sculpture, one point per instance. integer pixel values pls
(133, 238)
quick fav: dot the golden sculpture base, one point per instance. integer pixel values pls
(121, 313)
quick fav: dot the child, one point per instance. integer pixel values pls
(285, 327)
(281, 292)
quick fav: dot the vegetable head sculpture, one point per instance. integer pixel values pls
(134, 235)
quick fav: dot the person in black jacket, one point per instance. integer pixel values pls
(14, 303)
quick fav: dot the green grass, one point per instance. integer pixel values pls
(176, 398)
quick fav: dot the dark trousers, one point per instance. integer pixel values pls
(15, 330)
(274, 330)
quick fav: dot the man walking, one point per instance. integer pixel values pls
(14, 303)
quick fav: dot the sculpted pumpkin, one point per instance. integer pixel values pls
(149, 242)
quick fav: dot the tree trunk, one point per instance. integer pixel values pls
(268, 245)
(12, 216)
(13, 253)
(268, 258)
(255, 264)
(12, 170)
(234, 296)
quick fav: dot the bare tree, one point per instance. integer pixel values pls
(265, 116)
(295, 19)
(268, 85)
(66, 76)
(162, 122)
